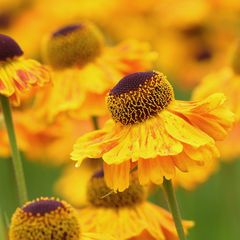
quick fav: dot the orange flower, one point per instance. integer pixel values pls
(154, 131)
(16, 73)
(130, 214)
(82, 80)
(228, 82)
(47, 143)
(72, 184)
(48, 218)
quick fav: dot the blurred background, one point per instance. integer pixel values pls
(192, 39)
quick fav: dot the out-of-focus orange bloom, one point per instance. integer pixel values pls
(228, 82)
(131, 215)
(80, 85)
(72, 184)
(47, 143)
(18, 75)
(195, 31)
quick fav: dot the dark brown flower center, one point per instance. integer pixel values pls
(9, 48)
(131, 82)
(67, 29)
(139, 96)
(42, 206)
(45, 218)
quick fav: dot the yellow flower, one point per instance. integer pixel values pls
(48, 218)
(16, 73)
(43, 16)
(154, 131)
(129, 214)
(46, 143)
(84, 70)
(226, 81)
(72, 184)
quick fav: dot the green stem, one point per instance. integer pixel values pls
(3, 231)
(173, 205)
(16, 157)
(95, 122)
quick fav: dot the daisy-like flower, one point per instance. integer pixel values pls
(48, 218)
(16, 73)
(153, 131)
(227, 81)
(130, 214)
(84, 69)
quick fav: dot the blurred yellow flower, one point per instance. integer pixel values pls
(34, 18)
(154, 131)
(82, 77)
(47, 218)
(46, 143)
(72, 184)
(228, 82)
(17, 75)
(41, 142)
(178, 30)
(129, 213)
(225, 81)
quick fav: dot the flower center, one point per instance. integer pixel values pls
(67, 30)
(42, 206)
(45, 218)
(73, 45)
(100, 195)
(139, 96)
(9, 48)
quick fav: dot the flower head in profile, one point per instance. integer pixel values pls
(131, 215)
(16, 73)
(47, 218)
(84, 69)
(153, 131)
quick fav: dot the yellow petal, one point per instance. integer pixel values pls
(181, 130)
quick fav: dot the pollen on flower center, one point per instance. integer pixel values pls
(73, 45)
(139, 96)
(100, 195)
(9, 48)
(45, 218)
(43, 206)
